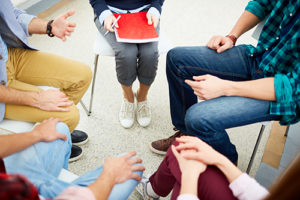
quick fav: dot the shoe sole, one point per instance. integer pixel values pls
(81, 143)
(157, 151)
(75, 158)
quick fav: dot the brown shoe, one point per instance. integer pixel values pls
(161, 146)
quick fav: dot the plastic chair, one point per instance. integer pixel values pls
(102, 48)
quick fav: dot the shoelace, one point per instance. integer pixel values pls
(127, 110)
(143, 110)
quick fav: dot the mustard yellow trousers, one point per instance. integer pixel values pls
(26, 69)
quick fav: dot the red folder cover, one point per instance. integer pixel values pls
(134, 28)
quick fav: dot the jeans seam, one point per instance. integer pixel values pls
(211, 71)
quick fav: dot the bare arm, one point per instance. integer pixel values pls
(61, 27)
(221, 43)
(116, 170)
(46, 132)
(246, 22)
(49, 100)
(18, 97)
(210, 87)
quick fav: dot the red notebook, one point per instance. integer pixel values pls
(134, 28)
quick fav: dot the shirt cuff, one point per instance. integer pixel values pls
(154, 11)
(24, 20)
(256, 9)
(76, 193)
(103, 16)
(245, 187)
(283, 89)
(187, 197)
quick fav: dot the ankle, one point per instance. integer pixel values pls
(150, 192)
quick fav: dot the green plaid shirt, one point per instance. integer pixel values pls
(279, 51)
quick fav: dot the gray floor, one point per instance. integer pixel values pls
(189, 23)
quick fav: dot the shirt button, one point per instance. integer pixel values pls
(2, 82)
(277, 38)
(251, 55)
(267, 49)
(291, 14)
(280, 27)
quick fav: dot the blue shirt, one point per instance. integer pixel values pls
(14, 26)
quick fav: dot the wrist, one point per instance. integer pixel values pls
(49, 28)
(228, 88)
(233, 38)
(32, 99)
(36, 136)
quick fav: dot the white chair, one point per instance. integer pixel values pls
(21, 126)
(102, 48)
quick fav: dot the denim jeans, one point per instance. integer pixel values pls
(41, 164)
(209, 119)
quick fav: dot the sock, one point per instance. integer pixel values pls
(150, 192)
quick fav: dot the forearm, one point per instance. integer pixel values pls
(20, 141)
(262, 89)
(189, 184)
(246, 21)
(102, 187)
(228, 168)
(37, 26)
(13, 96)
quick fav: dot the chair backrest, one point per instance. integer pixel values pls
(103, 48)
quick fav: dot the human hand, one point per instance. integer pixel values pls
(220, 43)
(61, 27)
(202, 151)
(152, 19)
(46, 131)
(192, 167)
(53, 100)
(208, 87)
(122, 168)
(108, 22)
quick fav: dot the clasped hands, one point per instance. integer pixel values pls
(194, 155)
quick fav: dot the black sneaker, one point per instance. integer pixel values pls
(79, 137)
(76, 153)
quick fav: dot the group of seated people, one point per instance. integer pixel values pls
(239, 85)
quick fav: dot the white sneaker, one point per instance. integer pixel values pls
(142, 189)
(143, 113)
(126, 114)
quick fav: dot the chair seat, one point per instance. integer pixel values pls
(103, 48)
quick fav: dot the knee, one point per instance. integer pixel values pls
(71, 118)
(197, 120)
(63, 128)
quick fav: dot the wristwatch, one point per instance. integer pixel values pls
(49, 29)
(233, 38)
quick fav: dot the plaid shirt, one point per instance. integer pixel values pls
(279, 50)
(16, 186)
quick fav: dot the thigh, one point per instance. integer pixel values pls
(232, 64)
(227, 112)
(41, 68)
(41, 163)
(31, 114)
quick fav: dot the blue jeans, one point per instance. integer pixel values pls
(42, 163)
(209, 119)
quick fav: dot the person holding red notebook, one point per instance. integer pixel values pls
(133, 60)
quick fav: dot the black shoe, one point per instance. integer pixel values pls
(76, 153)
(79, 137)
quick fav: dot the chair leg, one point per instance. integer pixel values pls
(89, 111)
(255, 148)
